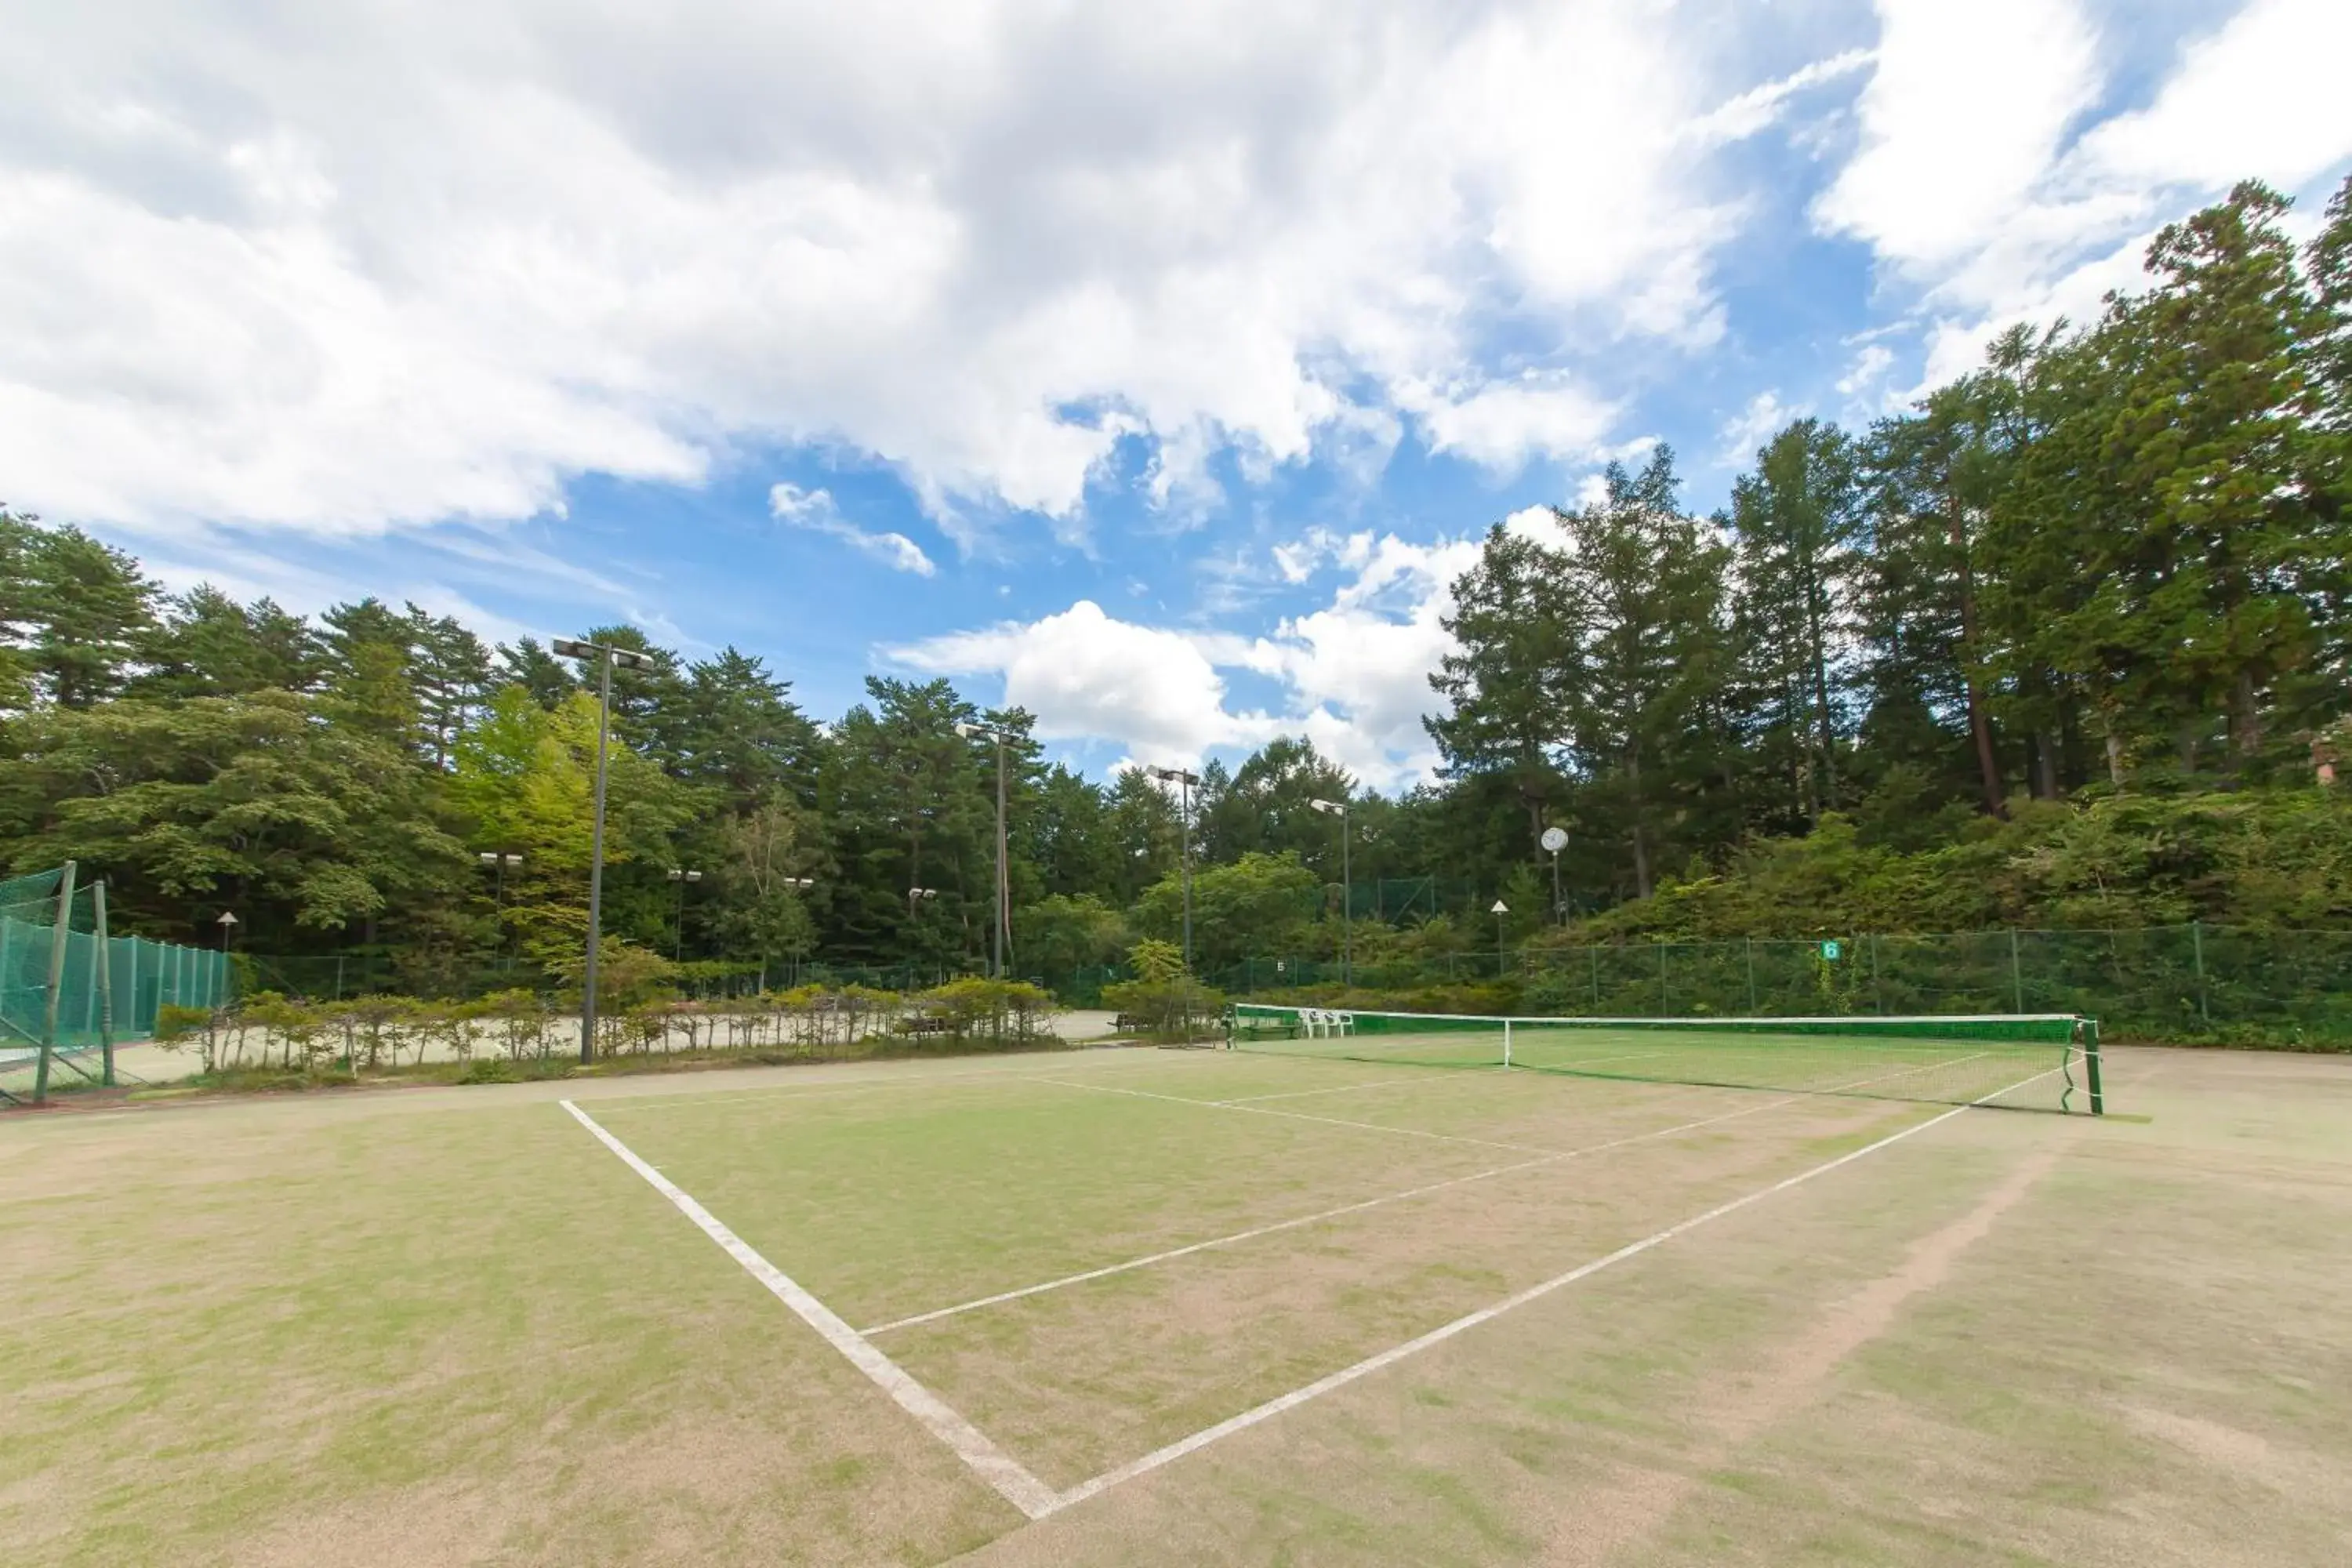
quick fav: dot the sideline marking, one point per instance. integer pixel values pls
(1345, 1376)
(1003, 1296)
(1302, 1116)
(1024, 1491)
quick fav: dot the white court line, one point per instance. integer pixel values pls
(1332, 1088)
(1396, 1082)
(1024, 1491)
(1107, 1057)
(1386, 1358)
(1133, 1263)
(1301, 1116)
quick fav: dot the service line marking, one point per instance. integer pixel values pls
(1386, 1358)
(1300, 1116)
(1240, 1236)
(880, 1082)
(1391, 1082)
(1012, 1480)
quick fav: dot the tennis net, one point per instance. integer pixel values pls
(2042, 1061)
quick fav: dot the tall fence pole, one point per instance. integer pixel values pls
(2196, 950)
(1751, 974)
(105, 986)
(2016, 974)
(58, 935)
(1595, 954)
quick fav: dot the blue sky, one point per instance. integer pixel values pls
(1155, 371)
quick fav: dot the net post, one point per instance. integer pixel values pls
(2091, 1066)
(1506, 1042)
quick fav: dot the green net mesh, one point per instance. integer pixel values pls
(106, 988)
(2036, 1061)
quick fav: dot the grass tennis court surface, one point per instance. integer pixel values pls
(1142, 1306)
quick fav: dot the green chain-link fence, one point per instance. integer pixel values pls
(68, 983)
(2185, 983)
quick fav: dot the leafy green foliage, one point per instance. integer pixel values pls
(2066, 643)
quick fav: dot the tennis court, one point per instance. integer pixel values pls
(1086, 1306)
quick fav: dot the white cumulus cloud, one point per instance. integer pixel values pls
(816, 511)
(1985, 179)
(376, 266)
(1354, 674)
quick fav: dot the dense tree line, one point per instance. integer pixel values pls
(2113, 560)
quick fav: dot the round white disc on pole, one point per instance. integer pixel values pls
(1554, 839)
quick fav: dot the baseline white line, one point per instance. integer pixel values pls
(1436, 1336)
(1333, 1089)
(1024, 1491)
(1302, 1116)
(760, 1092)
(1134, 1263)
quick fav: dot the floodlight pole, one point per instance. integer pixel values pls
(605, 658)
(677, 942)
(1184, 781)
(1339, 808)
(596, 863)
(1003, 881)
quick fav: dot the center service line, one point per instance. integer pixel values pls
(1024, 1491)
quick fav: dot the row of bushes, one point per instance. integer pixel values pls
(269, 1031)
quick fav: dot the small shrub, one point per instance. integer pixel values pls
(1167, 1009)
(1000, 1012)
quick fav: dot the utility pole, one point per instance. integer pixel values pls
(606, 658)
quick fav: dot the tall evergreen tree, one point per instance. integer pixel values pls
(1518, 634)
(208, 645)
(1650, 584)
(77, 611)
(1798, 525)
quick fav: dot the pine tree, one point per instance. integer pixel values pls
(1649, 583)
(1932, 475)
(80, 611)
(1798, 522)
(1518, 634)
